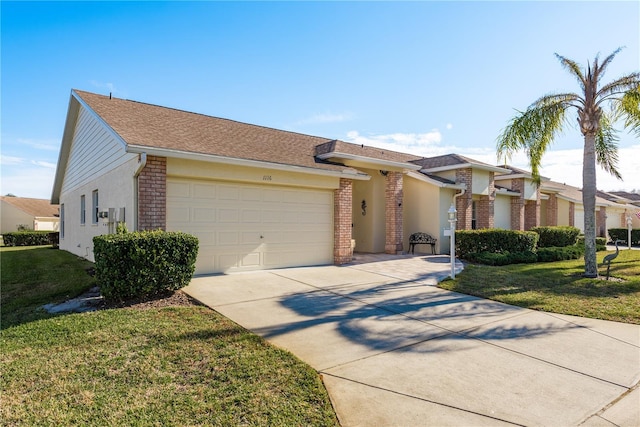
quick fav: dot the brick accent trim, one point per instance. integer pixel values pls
(601, 221)
(517, 205)
(552, 210)
(464, 203)
(572, 214)
(152, 194)
(393, 213)
(532, 212)
(342, 220)
(485, 215)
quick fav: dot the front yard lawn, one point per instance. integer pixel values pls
(142, 365)
(559, 287)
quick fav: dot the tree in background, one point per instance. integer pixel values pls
(598, 106)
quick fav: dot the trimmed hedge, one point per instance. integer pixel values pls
(27, 238)
(556, 236)
(504, 258)
(623, 234)
(143, 264)
(494, 241)
(562, 253)
(601, 243)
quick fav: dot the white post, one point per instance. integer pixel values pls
(452, 227)
(629, 223)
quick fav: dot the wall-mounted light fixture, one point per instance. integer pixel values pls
(384, 173)
(363, 205)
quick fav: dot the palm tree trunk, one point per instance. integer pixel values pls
(589, 202)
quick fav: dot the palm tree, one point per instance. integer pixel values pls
(535, 129)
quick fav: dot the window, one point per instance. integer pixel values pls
(95, 209)
(474, 211)
(83, 210)
(62, 221)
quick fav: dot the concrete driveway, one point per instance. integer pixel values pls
(394, 350)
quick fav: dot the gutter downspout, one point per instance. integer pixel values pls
(142, 159)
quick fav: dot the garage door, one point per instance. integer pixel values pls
(252, 227)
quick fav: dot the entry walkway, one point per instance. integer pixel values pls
(394, 350)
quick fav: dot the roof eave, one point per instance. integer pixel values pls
(376, 163)
(437, 183)
(465, 166)
(177, 154)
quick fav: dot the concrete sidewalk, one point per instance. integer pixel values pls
(394, 350)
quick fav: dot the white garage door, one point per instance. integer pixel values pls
(252, 227)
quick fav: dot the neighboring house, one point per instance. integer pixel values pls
(261, 198)
(26, 213)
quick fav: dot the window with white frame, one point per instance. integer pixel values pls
(95, 207)
(83, 210)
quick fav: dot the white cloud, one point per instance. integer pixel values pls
(10, 160)
(325, 118)
(44, 164)
(421, 144)
(44, 144)
(449, 126)
(28, 181)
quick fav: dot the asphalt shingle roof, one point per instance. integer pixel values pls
(33, 207)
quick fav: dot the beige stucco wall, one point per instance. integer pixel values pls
(369, 230)
(12, 217)
(563, 212)
(480, 183)
(530, 190)
(256, 175)
(502, 212)
(115, 190)
(420, 211)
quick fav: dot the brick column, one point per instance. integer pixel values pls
(393, 213)
(152, 195)
(485, 214)
(552, 210)
(464, 202)
(572, 214)
(532, 212)
(342, 220)
(517, 205)
(601, 222)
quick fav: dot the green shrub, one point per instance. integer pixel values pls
(601, 243)
(502, 258)
(562, 253)
(557, 236)
(623, 235)
(494, 241)
(143, 264)
(28, 238)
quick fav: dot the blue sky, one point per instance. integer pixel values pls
(427, 78)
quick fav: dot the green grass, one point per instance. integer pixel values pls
(183, 365)
(559, 287)
(34, 276)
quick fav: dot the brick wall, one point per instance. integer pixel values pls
(342, 220)
(464, 202)
(532, 212)
(517, 205)
(572, 214)
(393, 213)
(485, 215)
(552, 210)
(152, 194)
(601, 222)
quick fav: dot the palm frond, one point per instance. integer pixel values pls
(607, 146)
(618, 86)
(628, 107)
(603, 66)
(536, 128)
(574, 68)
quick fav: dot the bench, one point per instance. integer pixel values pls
(422, 238)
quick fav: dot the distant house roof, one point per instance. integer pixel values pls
(33, 207)
(514, 172)
(574, 194)
(634, 197)
(454, 161)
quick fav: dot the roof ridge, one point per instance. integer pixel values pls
(205, 115)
